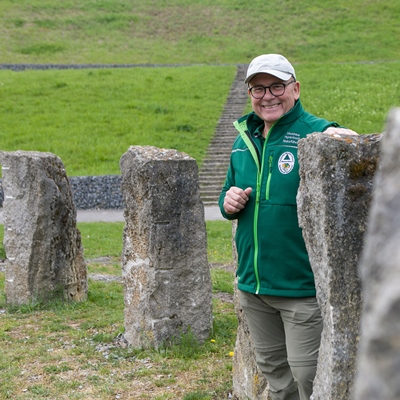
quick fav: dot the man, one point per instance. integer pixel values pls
(275, 280)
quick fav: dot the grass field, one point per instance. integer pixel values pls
(346, 56)
(185, 31)
(75, 351)
(346, 60)
(89, 118)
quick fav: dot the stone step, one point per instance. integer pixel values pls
(206, 182)
(215, 166)
(219, 147)
(221, 142)
(218, 159)
(212, 188)
(214, 197)
(213, 171)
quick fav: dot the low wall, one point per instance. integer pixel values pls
(92, 192)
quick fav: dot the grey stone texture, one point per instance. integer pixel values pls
(97, 192)
(379, 354)
(41, 240)
(92, 192)
(248, 381)
(335, 193)
(167, 282)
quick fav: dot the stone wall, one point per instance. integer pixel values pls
(97, 192)
(92, 192)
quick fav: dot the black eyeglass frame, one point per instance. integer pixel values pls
(269, 88)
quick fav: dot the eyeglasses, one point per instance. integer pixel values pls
(277, 89)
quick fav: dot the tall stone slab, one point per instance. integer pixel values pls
(248, 381)
(379, 354)
(165, 270)
(334, 198)
(41, 240)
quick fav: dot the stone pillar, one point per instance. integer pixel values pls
(379, 354)
(333, 202)
(165, 270)
(248, 381)
(41, 240)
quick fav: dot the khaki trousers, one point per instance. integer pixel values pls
(286, 333)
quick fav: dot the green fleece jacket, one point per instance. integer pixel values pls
(272, 257)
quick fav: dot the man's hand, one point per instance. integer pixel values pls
(340, 131)
(236, 199)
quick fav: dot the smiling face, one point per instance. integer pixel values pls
(270, 108)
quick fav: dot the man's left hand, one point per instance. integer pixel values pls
(340, 131)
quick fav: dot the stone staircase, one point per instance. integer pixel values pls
(213, 171)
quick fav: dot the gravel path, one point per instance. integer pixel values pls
(23, 67)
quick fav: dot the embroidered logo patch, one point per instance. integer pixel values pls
(286, 163)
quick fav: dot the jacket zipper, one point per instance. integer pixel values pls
(257, 158)
(260, 165)
(255, 224)
(270, 159)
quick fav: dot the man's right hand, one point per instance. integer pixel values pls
(236, 199)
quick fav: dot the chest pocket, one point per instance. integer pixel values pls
(281, 176)
(244, 167)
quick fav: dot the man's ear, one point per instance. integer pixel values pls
(296, 90)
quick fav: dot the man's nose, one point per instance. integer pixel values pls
(268, 94)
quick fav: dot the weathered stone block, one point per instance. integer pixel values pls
(41, 240)
(333, 203)
(165, 270)
(379, 354)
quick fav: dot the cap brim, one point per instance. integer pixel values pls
(279, 74)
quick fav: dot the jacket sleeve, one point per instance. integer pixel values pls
(333, 125)
(229, 182)
(317, 124)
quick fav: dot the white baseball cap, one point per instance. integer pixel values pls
(273, 64)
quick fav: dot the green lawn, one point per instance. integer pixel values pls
(73, 351)
(346, 60)
(187, 31)
(89, 118)
(346, 55)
